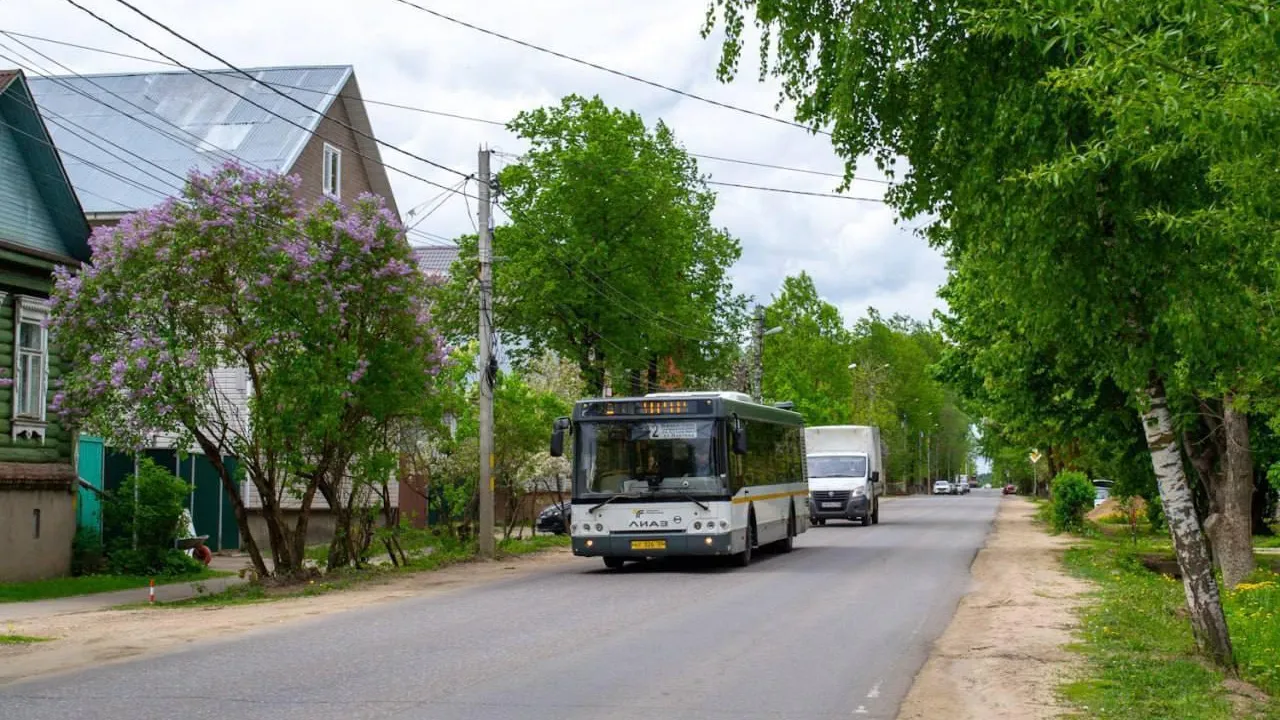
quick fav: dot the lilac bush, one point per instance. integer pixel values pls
(321, 306)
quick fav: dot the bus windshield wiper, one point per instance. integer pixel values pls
(694, 500)
(611, 499)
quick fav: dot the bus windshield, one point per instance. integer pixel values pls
(851, 466)
(649, 457)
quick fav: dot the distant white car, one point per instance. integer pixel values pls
(941, 487)
(1101, 490)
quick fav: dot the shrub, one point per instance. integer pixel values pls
(86, 552)
(154, 518)
(1155, 514)
(1073, 496)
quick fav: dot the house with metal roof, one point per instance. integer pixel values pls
(41, 227)
(128, 141)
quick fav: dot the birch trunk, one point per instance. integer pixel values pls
(1232, 530)
(1208, 623)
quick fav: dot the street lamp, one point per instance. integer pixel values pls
(871, 382)
(757, 385)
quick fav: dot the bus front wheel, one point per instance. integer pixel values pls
(614, 563)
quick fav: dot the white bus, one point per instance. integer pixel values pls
(684, 474)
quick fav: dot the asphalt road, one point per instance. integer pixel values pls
(837, 629)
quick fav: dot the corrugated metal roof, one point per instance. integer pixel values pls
(177, 121)
(436, 260)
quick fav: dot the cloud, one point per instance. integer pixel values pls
(858, 257)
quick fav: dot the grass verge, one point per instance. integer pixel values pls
(21, 639)
(88, 585)
(1141, 658)
(443, 554)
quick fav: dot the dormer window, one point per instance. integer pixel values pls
(331, 184)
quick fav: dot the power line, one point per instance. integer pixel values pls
(611, 71)
(165, 63)
(442, 113)
(205, 77)
(794, 192)
(284, 95)
(62, 82)
(786, 167)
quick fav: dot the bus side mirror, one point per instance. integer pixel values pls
(740, 440)
(557, 436)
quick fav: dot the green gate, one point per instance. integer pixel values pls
(89, 467)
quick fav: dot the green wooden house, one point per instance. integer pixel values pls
(41, 226)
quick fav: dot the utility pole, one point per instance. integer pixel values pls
(485, 490)
(757, 366)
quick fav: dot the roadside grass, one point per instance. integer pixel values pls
(22, 639)
(1142, 661)
(89, 584)
(442, 554)
(1268, 541)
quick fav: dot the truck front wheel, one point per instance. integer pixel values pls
(875, 513)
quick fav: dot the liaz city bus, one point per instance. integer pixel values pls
(684, 474)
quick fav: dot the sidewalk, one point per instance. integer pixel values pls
(12, 612)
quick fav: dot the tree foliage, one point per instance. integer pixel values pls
(610, 259)
(1052, 215)
(321, 306)
(891, 385)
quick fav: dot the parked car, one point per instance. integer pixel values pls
(1009, 490)
(941, 487)
(555, 517)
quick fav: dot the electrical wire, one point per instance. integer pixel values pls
(205, 76)
(285, 95)
(789, 191)
(441, 113)
(611, 71)
(62, 82)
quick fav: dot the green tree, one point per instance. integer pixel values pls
(321, 306)
(963, 91)
(808, 362)
(610, 259)
(141, 522)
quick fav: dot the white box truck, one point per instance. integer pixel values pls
(846, 473)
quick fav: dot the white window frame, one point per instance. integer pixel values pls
(27, 309)
(331, 173)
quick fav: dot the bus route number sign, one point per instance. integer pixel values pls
(673, 431)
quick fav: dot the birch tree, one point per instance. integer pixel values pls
(963, 92)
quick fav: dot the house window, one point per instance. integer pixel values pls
(31, 366)
(332, 181)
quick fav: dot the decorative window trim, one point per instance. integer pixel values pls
(331, 178)
(27, 309)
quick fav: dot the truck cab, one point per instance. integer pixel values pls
(846, 473)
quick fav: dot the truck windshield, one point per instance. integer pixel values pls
(651, 456)
(821, 466)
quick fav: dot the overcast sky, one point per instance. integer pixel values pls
(856, 254)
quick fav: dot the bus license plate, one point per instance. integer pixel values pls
(831, 506)
(648, 544)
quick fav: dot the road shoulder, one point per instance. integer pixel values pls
(1004, 654)
(90, 639)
